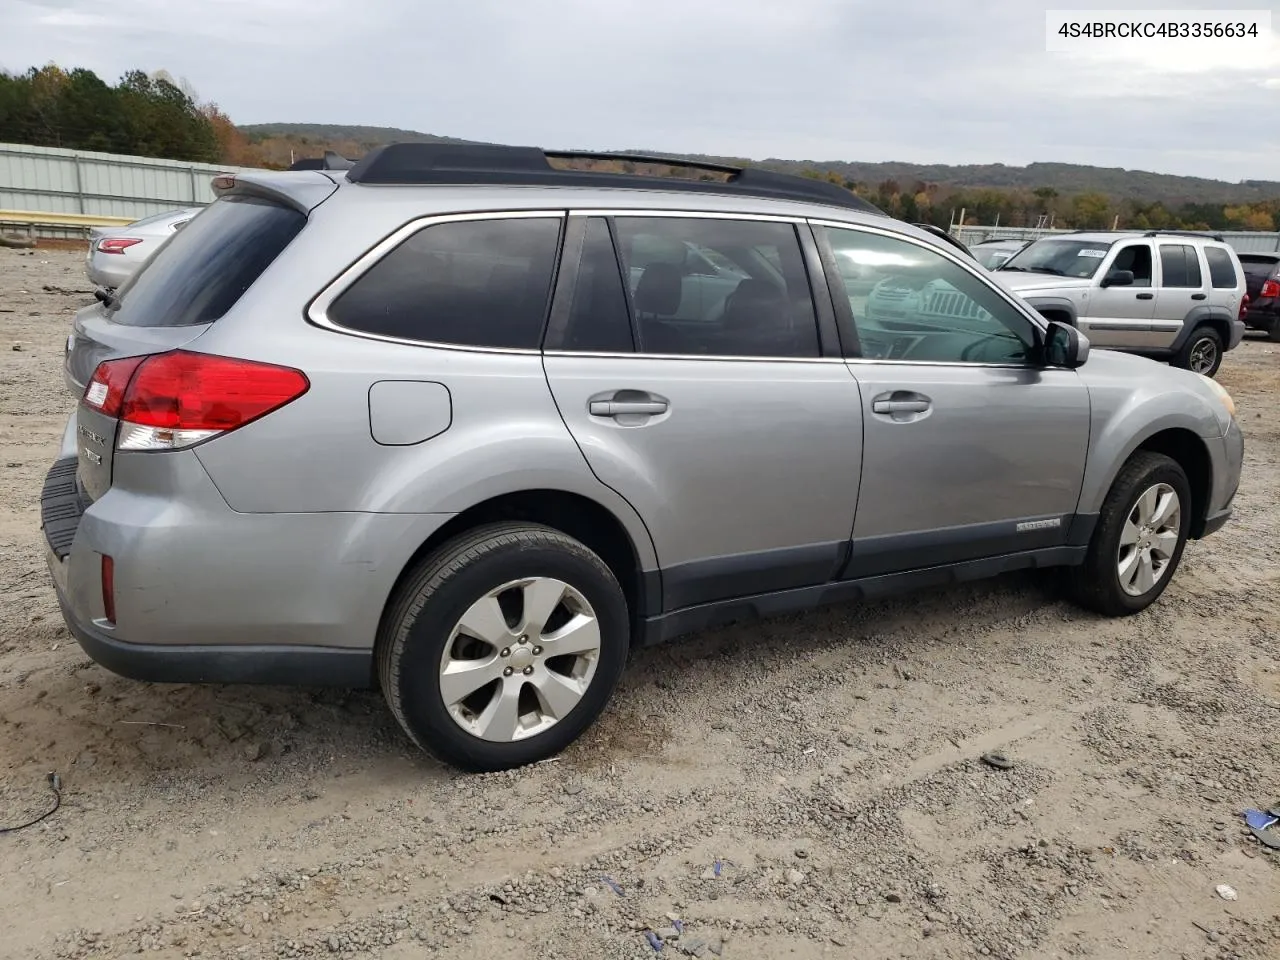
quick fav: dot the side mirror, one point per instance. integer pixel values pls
(1065, 346)
(1118, 278)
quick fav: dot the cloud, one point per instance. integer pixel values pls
(923, 80)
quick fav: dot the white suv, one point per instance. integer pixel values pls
(1171, 295)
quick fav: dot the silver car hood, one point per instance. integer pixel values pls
(1025, 283)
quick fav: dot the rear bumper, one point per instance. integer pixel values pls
(173, 663)
(1263, 316)
(109, 270)
(205, 594)
(1237, 334)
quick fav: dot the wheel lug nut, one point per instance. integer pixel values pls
(524, 638)
(507, 672)
(506, 651)
(537, 650)
(528, 671)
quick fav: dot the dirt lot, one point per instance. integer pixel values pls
(799, 788)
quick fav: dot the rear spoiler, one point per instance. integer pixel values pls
(302, 191)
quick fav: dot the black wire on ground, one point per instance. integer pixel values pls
(55, 784)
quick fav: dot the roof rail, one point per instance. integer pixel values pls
(330, 161)
(453, 163)
(1205, 234)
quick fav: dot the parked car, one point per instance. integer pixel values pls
(1171, 295)
(992, 253)
(421, 425)
(116, 253)
(1262, 274)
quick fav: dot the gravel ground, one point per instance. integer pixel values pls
(803, 787)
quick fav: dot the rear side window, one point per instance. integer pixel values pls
(1179, 265)
(204, 268)
(1222, 272)
(476, 283)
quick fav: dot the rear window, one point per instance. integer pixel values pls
(204, 268)
(1261, 268)
(476, 283)
(1222, 272)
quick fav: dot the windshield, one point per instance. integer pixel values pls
(1260, 268)
(1061, 258)
(991, 257)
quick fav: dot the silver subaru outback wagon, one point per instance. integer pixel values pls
(468, 425)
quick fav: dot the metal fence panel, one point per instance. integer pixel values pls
(54, 180)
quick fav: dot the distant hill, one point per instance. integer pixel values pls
(1064, 178)
(321, 132)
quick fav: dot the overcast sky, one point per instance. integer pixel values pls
(934, 81)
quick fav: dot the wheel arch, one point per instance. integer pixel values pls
(1216, 318)
(1187, 450)
(574, 514)
(1055, 308)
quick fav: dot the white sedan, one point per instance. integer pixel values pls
(117, 253)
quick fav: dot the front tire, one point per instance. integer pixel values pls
(503, 646)
(1202, 353)
(1138, 542)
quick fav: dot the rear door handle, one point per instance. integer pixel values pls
(617, 408)
(900, 406)
(1199, 296)
(1146, 296)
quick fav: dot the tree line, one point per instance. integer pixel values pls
(943, 206)
(153, 115)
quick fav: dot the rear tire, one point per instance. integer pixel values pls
(1273, 334)
(532, 591)
(1135, 549)
(1202, 353)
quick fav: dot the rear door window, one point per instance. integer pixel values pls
(1179, 266)
(477, 283)
(758, 303)
(1222, 272)
(205, 268)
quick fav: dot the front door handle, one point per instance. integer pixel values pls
(900, 406)
(1199, 296)
(1146, 296)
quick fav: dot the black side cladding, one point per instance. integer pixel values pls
(485, 164)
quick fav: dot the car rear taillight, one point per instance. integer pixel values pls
(1270, 288)
(106, 388)
(1244, 307)
(116, 244)
(172, 400)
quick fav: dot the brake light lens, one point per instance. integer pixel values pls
(169, 401)
(1244, 307)
(116, 244)
(1270, 288)
(105, 390)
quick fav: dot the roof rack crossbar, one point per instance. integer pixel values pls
(462, 164)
